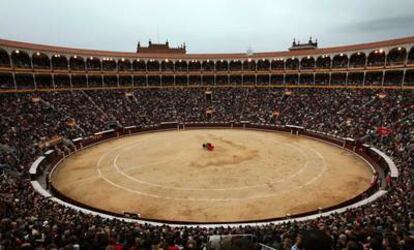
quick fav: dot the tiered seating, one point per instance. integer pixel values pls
(28, 220)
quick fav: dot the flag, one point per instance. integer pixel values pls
(383, 131)
(381, 95)
(35, 99)
(71, 122)
(275, 113)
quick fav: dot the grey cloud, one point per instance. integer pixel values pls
(385, 24)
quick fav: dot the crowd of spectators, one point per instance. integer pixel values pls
(58, 81)
(30, 221)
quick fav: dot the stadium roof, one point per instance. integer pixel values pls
(259, 55)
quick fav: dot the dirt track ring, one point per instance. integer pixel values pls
(251, 175)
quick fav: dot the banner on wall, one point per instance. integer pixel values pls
(49, 142)
(383, 131)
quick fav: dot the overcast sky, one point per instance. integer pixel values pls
(204, 25)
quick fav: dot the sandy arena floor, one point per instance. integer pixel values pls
(250, 175)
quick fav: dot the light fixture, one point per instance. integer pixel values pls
(17, 51)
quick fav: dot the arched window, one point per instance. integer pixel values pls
(307, 62)
(323, 62)
(357, 60)
(376, 58)
(59, 62)
(21, 59)
(40, 61)
(340, 61)
(292, 63)
(4, 58)
(93, 64)
(77, 63)
(396, 56)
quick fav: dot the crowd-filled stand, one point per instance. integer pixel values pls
(29, 221)
(29, 69)
(391, 78)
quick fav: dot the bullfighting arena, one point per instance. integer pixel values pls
(250, 175)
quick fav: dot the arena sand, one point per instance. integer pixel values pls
(250, 175)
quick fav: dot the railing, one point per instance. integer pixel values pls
(149, 71)
(264, 247)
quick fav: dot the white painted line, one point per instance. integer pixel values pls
(120, 171)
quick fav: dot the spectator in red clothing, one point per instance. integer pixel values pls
(173, 246)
